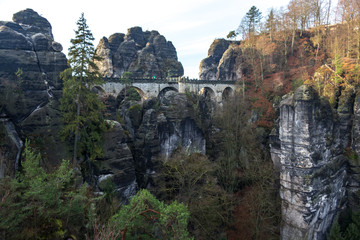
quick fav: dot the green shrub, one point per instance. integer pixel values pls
(145, 217)
(40, 205)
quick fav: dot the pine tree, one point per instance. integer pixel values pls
(81, 108)
(41, 205)
(252, 19)
(232, 34)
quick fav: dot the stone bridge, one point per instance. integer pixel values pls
(148, 88)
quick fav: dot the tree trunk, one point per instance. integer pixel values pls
(358, 46)
(77, 123)
(328, 13)
(285, 56)
(348, 41)
(292, 42)
(76, 131)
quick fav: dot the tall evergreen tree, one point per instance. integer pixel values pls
(252, 19)
(81, 108)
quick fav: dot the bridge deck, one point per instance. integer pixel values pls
(170, 81)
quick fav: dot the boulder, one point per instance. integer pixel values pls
(57, 47)
(41, 42)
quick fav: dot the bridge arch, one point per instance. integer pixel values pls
(227, 93)
(130, 90)
(208, 92)
(165, 90)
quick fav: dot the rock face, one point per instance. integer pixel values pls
(27, 44)
(354, 164)
(145, 54)
(11, 148)
(42, 127)
(224, 61)
(158, 128)
(30, 66)
(117, 163)
(313, 174)
(177, 126)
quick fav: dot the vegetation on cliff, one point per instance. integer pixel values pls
(41, 205)
(81, 109)
(57, 205)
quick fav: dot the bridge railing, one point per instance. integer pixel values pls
(169, 80)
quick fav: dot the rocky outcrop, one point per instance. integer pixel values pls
(145, 54)
(177, 126)
(313, 173)
(159, 127)
(117, 164)
(224, 61)
(30, 64)
(33, 23)
(354, 163)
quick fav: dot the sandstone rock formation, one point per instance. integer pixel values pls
(313, 174)
(27, 45)
(177, 125)
(117, 164)
(159, 127)
(145, 54)
(30, 89)
(354, 163)
(224, 61)
(30, 66)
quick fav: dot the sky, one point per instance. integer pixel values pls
(191, 25)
